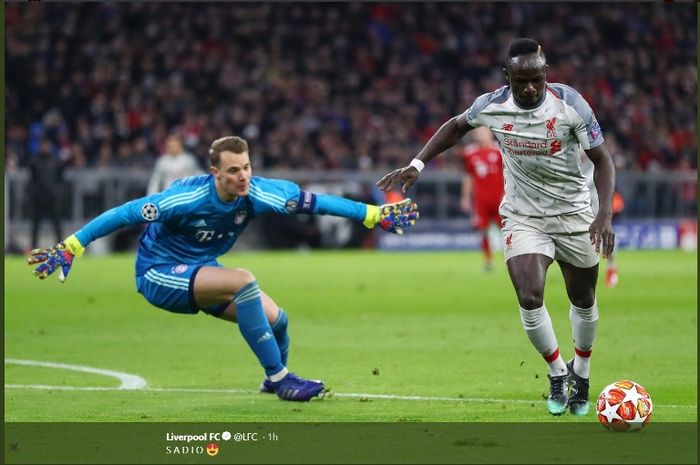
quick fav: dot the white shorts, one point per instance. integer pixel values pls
(563, 237)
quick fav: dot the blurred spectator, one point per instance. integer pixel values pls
(173, 164)
(46, 190)
(326, 85)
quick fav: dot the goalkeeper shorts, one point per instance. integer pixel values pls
(171, 287)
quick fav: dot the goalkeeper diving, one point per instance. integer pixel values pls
(198, 219)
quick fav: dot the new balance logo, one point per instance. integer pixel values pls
(265, 337)
(200, 224)
(507, 127)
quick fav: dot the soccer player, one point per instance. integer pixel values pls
(546, 210)
(197, 220)
(482, 186)
(173, 164)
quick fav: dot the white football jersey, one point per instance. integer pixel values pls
(170, 168)
(588, 169)
(540, 147)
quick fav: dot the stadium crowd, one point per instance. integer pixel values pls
(330, 86)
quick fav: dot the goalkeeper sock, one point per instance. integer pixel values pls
(257, 332)
(538, 327)
(279, 329)
(584, 323)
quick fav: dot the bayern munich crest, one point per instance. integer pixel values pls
(180, 269)
(240, 217)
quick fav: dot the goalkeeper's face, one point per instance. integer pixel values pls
(232, 175)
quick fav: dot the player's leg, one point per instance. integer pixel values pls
(279, 322)
(215, 287)
(481, 223)
(528, 253)
(611, 277)
(579, 265)
(583, 312)
(277, 318)
(527, 273)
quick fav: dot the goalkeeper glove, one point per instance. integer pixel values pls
(59, 256)
(392, 217)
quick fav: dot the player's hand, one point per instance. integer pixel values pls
(602, 235)
(406, 176)
(392, 217)
(59, 257)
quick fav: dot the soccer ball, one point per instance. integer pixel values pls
(624, 406)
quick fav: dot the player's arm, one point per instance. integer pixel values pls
(285, 197)
(447, 136)
(60, 257)
(604, 179)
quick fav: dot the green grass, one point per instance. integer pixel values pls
(402, 324)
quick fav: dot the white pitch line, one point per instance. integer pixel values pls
(128, 381)
(136, 383)
(338, 394)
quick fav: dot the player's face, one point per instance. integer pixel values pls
(233, 174)
(527, 84)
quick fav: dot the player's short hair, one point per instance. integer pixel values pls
(233, 144)
(524, 46)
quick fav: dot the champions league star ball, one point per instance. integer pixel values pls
(624, 406)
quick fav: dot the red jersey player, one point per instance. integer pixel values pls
(482, 186)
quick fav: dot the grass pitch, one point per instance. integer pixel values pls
(397, 336)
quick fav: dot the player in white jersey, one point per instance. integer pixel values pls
(541, 127)
(172, 165)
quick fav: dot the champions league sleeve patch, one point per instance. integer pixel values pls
(595, 129)
(149, 212)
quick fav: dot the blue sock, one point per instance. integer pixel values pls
(256, 329)
(279, 329)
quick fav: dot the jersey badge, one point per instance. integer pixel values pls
(240, 217)
(179, 269)
(149, 212)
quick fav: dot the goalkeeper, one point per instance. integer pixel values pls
(197, 220)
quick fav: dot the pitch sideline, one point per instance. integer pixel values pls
(136, 383)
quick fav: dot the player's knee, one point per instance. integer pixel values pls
(531, 301)
(244, 277)
(585, 301)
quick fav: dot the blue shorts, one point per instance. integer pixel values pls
(171, 287)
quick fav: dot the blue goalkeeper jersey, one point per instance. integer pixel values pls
(188, 223)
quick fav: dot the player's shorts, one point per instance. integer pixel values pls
(486, 214)
(171, 287)
(563, 237)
